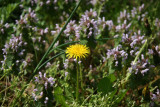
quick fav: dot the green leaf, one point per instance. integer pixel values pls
(9, 60)
(112, 94)
(105, 84)
(84, 42)
(69, 94)
(112, 77)
(121, 95)
(5, 12)
(117, 41)
(110, 63)
(59, 97)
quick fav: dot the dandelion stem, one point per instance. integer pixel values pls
(77, 87)
(81, 77)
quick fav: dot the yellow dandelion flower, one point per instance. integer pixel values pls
(77, 51)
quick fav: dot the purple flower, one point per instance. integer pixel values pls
(144, 71)
(46, 100)
(116, 63)
(40, 74)
(66, 73)
(51, 81)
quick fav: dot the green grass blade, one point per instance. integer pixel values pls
(50, 59)
(105, 39)
(59, 46)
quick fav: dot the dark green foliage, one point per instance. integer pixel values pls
(105, 84)
(58, 95)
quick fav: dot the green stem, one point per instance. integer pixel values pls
(77, 87)
(134, 62)
(3, 76)
(100, 9)
(81, 77)
(88, 97)
(9, 88)
(52, 44)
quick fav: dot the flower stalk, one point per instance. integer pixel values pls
(77, 87)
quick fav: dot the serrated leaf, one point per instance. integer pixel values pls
(69, 94)
(110, 63)
(5, 12)
(58, 94)
(9, 60)
(84, 42)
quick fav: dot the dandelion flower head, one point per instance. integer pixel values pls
(77, 51)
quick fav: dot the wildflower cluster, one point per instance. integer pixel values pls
(3, 27)
(15, 46)
(88, 24)
(130, 43)
(43, 83)
(141, 66)
(72, 29)
(156, 96)
(118, 54)
(97, 55)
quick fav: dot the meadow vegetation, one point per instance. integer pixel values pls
(79, 53)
